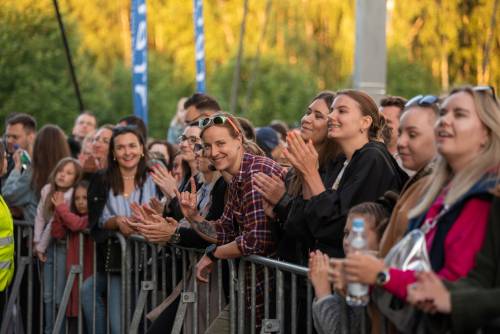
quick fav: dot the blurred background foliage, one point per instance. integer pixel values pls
(292, 49)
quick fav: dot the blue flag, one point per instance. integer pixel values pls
(140, 59)
(200, 45)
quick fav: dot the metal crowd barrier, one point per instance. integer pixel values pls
(151, 273)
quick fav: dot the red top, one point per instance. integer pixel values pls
(64, 222)
(462, 242)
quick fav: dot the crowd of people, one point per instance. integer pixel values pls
(217, 183)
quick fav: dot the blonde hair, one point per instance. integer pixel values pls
(487, 161)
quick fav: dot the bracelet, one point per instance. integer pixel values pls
(176, 237)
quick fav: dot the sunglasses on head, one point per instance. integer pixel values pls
(422, 100)
(486, 89)
(217, 120)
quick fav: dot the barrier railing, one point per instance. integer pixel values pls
(154, 276)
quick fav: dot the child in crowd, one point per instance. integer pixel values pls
(327, 307)
(61, 182)
(69, 220)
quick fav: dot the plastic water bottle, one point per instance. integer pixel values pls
(357, 293)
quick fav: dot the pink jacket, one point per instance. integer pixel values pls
(462, 242)
(42, 236)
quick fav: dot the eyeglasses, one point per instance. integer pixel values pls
(192, 139)
(198, 148)
(486, 89)
(217, 120)
(422, 100)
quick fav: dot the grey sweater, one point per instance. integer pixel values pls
(331, 315)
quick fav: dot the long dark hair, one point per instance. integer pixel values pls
(113, 172)
(81, 184)
(49, 148)
(327, 151)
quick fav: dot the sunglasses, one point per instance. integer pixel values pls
(217, 120)
(192, 139)
(422, 100)
(486, 89)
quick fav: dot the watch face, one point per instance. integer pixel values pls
(381, 278)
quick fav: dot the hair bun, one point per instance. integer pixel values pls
(388, 200)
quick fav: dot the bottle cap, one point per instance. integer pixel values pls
(358, 224)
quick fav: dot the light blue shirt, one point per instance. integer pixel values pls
(119, 205)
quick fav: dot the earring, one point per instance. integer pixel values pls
(142, 155)
(114, 158)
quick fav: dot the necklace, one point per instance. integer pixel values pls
(128, 177)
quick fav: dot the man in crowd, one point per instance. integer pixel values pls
(85, 123)
(199, 106)
(391, 108)
(20, 132)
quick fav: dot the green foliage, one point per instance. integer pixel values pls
(407, 78)
(279, 91)
(34, 71)
(307, 47)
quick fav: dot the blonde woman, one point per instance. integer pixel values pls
(453, 212)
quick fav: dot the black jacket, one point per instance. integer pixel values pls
(371, 172)
(108, 253)
(293, 237)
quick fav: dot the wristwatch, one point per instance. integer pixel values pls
(176, 237)
(382, 278)
(209, 251)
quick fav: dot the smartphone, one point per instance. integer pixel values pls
(25, 160)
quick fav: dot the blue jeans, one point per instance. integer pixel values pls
(114, 303)
(53, 287)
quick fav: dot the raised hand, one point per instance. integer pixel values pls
(156, 205)
(57, 198)
(91, 164)
(125, 225)
(16, 156)
(188, 201)
(268, 209)
(272, 188)
(318, 273)
(336, 276)
(362, 268)
(158, 229)
(164, 180)
(429, 294)
(303, 156)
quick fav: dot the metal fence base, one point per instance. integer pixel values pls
(7, 316)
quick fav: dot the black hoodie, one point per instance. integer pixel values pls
(371, 172)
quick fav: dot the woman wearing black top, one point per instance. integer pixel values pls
(287, 201)
(367, 171)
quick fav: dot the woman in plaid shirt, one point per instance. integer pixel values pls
(244, 229)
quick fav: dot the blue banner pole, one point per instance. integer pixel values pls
(199, 45)
(139, 59)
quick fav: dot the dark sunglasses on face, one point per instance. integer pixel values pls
(422, 100)
(217, 120)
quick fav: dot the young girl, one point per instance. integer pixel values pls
(72, 219)
(327, 307)
(61, 181)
